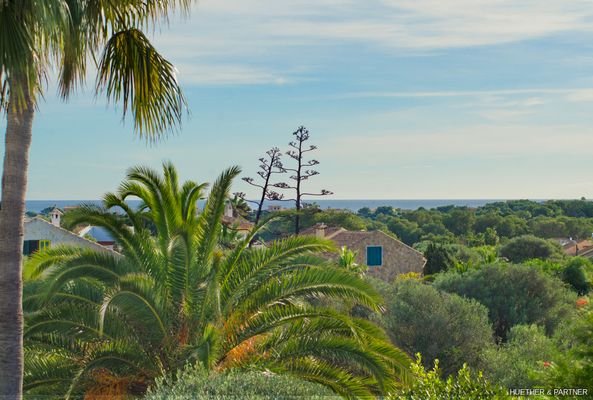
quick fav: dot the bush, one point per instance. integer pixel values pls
(577, 274)
(513, 294)
(527, 247)
(575, 368)
(518, 363)
(464, 385)
(196, 384)
(438, 258)
(420, 319)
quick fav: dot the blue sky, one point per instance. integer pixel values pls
(404, 98)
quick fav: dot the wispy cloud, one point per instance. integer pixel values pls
(576, 94)
(238, 33)
(213, 74)
(485, 141)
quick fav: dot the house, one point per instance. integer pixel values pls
(99, 235)
(385, 256)
(236, 222)
(41, 234)
(571, 247)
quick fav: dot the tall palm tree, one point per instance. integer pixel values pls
(107, 324)
(37, 37)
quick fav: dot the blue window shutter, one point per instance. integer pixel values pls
(374, 256)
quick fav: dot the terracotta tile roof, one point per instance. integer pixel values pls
(238, 223)
(344, 237)
(329, 231)
(584, 246)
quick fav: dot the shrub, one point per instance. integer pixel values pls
(575, 368)
(517, 363)
(420, 319)
(438, 258)
(527, 247)
(197, 384)
(577, 274)
(464, 385)
(513, 294)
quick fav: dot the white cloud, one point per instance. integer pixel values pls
(570, 93)
(205, 74)
(580, 96)
(271, 32)
(407, 24)
(484, 141)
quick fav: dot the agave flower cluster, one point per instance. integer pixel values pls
(107, 324)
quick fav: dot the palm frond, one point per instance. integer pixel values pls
(133, 72)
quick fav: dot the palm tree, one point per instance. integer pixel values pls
(240, 206)
(107, 324)
(35, 37)
(347, 260)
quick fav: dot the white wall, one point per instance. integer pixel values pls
(39, 229)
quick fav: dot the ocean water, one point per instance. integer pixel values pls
(353, 205)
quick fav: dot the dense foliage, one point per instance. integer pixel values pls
(439, 325)
(488, 224)
(430, 385)
(528, 247)
(519, 362)
(513, 294)
(198, 384)
(107, 324)
(574, 367)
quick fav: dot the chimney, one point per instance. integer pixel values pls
(320, 230)
(228, 210)
(55, 216)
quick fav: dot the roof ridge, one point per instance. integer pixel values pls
(73, 234)
(394, 238)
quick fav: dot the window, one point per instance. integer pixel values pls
(30, 247)
(374, 256)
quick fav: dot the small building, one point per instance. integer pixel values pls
(572, 247)
(41, 234)
(275, 208)
(99, 235)
(385, 256)
(236, 222)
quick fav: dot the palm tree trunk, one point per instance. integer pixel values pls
(12, 211)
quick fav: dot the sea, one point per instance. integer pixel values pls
(352, 205)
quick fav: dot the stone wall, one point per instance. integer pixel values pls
(398, 258)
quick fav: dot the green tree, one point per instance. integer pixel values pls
(491, 237)
(407, 231)
(99, 320)
(575, 369)
(528, 247)
(35, 38)
(547, 227)
(520, 362)
(197, 383)
(421, 319)
(365, 212)
(460, 221)
(513, 294)
(464, 385)
(489, 220)
(512, 226)
(578, 273)
(438, 258)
